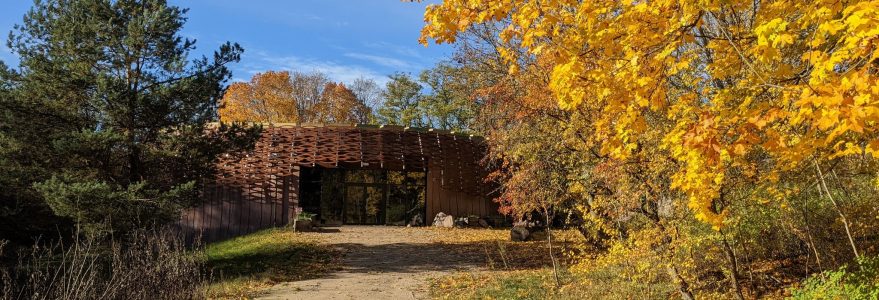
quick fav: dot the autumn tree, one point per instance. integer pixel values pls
(268, 97)
(308, 89)
(338, 104)
(367, 92)
(282, 97)
(733, 111)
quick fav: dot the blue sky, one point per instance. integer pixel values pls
(345, 39)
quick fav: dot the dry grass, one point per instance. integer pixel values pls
(146, 264)
(501, 253)
(522, 270)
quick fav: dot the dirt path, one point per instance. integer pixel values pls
(381, 262)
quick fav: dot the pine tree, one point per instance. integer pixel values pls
(105, 118)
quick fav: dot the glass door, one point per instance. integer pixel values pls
(354, 204)
(375, 205)
(364, 204)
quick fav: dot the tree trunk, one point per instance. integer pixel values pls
(734, 267)
(838, 210)
(555, 265)
(683, 286)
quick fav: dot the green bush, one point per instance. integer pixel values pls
(852, 282)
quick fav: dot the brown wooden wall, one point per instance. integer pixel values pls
(455, 202)
(249, 192)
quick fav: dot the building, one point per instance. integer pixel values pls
(344, 175)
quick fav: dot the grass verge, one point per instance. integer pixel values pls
(539, 284)
(241, 266)
(522, 270)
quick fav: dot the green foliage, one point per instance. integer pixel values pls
(245, 263)
(120, 119)
(97, 205)
(305, 216)
(402, 95)
(445, 105)
(854, 282)
(448, 105)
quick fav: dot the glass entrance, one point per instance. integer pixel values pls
(364, 204)
(340, 196)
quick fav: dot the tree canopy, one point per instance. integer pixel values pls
(794, 82)
(104, 119)
(667, 128)
(278, 97)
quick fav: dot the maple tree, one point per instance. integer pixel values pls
(338, 104)
(268, 97)
(282, 97)
(724, 112)
(794, 81)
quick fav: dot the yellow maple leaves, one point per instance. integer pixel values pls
(268, 97)
(795, 81)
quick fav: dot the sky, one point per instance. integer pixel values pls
(346, 39)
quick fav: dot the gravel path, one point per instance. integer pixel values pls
(381, 262)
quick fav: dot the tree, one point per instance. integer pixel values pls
(737, 78)
(278, 97)
(402, 95)
(367, 91)
(268, 97)
(111, 131)
(664, 113)
(448, 105)
(338, 104)
(308, 89)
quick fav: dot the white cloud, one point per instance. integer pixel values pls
(398, 49)
(262, 61)
(381, 60)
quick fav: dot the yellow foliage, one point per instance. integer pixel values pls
(796, 81)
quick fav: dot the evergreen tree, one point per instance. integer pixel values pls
(105, 119)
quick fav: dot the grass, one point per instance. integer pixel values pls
(241, 266)
(539, 284)
(521, 284)
(522, 270)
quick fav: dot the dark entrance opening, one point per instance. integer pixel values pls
(357, 196)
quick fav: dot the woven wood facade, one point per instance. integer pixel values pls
(260, 189)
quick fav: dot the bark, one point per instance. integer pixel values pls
(555, 265)
(683, 286)
(734, 267)
(838, 210)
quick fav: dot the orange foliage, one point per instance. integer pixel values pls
(268, 97)
(276, 97)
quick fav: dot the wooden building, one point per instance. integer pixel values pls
(344, 175)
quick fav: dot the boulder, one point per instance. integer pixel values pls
(443, 220)
(417, 220)
(473, 221)
(461, 222)
(537, 234)
(483, 223)
(519, 234)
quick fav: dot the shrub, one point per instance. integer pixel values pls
(861, 282)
